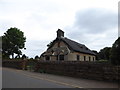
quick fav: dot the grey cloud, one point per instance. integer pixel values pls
(96, 28)
(95, 20)
(91, 22)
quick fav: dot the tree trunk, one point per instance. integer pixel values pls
(13, 56)
(18, 55)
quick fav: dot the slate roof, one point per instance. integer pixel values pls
(74, 46)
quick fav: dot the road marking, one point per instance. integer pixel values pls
(38, 77)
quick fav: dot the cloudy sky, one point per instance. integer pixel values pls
(90, 22)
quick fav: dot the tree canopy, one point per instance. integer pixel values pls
(36, 57)
(97, 58)
(24, 56)
(104, 53)
(115, 52)
(13, 41)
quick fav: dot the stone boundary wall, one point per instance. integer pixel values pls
(19, 64)
(97, 71)
(88, 70)
(12, 64)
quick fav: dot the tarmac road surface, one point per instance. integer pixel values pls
(13, 78)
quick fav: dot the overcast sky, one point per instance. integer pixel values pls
(90, 22)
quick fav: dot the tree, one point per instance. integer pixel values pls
(115, 52)
(48, 45)
(12, 42)
(96, 56)
(6, 48)
(104, 53)
(31, 58)
(24, 56)
(36, 57)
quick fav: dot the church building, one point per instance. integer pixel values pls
(64, 49)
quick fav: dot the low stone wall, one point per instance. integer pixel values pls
(89, 70)
(19, 64)
(96, 71)
(13, 64)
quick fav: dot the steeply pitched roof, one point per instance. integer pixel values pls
(77, 46)
(72, 45)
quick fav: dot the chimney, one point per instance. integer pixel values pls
(60, 33)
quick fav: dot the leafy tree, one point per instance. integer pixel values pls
(24, 56)
(115, 52)
(6, 51)
(12, 42)
(31, 58)
(48, 45)
(96, 54)
(104, 53)
(36, 57)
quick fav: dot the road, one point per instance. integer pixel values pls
(13, 78)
